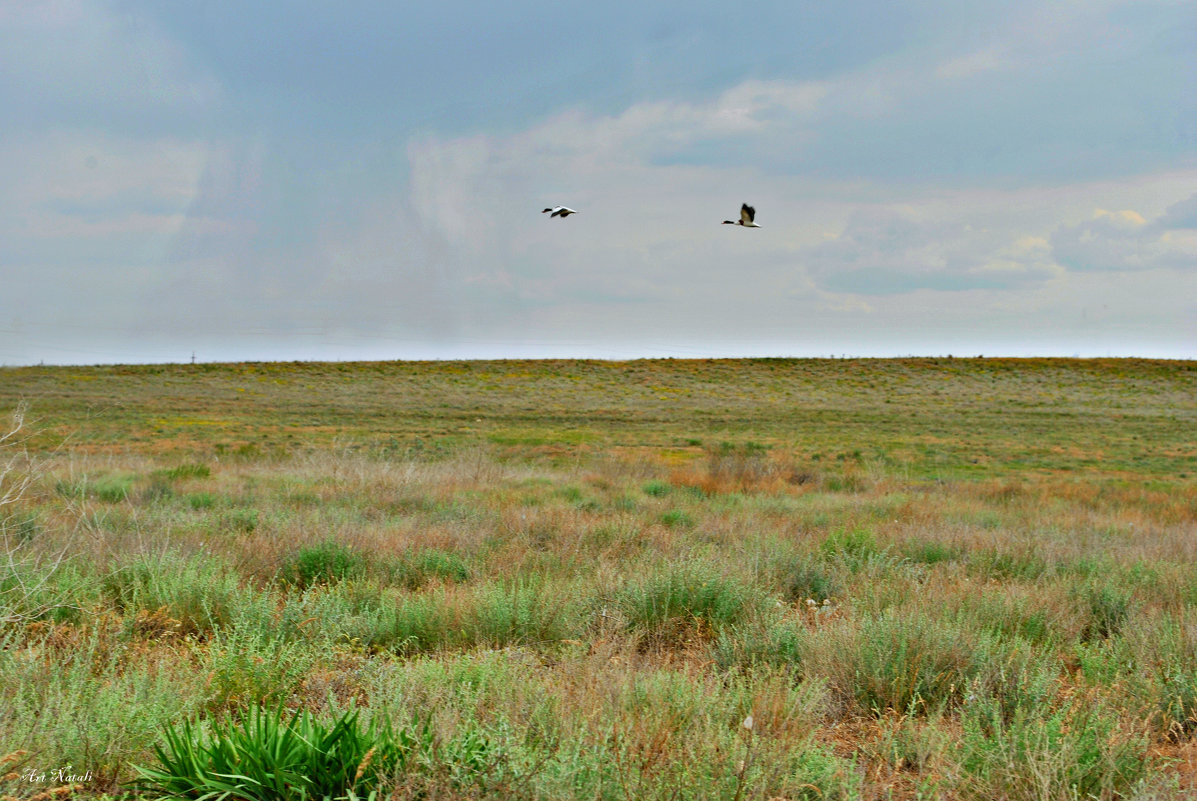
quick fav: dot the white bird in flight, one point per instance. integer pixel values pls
(747, 213)
(560, 211)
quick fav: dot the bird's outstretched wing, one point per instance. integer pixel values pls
(747, 214)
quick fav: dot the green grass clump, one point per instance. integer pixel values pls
(201, 500)
(778, 642)
(324, 563)
(676, 518)
(19, 529)
(930, 552)
(112, 488)
(186, 471)
(656, 489)
(266, 757)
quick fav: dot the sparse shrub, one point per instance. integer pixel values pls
(92, 703)
(526, 611)
(240, 521)
(802, 577)
(1107, 609)
(156, 491)
(901, 660)
(246, 667)
(684, 598)
(1004, 565)
(817, 774)
(854, 549)
(324, 563)
(741, 466)
(1079, 750)
(415, 570)
(196, 590)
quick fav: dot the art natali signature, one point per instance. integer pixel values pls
(61, 775)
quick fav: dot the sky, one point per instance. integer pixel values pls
(229, 181)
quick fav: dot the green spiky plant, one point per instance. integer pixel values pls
(269, 757)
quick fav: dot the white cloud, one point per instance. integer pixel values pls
(885, 251)
(986, 59)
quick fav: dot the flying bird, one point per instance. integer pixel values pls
(747, 213)
(560, 211)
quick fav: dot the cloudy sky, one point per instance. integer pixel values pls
(320, 180)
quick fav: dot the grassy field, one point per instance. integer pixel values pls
(692, 579)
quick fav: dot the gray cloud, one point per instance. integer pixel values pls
(1125, 241)
(82, 63)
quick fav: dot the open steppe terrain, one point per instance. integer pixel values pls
(707, 579)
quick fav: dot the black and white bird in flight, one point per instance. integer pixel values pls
(747, 214)
(560, 211)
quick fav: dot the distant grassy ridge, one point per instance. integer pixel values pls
(935, 417)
